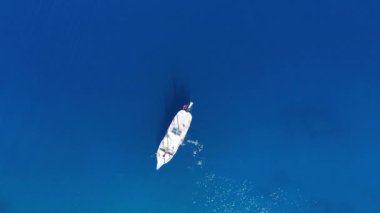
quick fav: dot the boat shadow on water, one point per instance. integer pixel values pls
(174, 99)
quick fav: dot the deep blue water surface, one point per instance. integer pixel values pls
(286, 100)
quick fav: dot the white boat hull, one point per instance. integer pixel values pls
(174, 137)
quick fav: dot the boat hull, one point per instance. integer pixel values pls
(174, 137)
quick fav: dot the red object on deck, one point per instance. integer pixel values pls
(184, 107)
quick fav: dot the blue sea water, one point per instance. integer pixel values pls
(286, 105)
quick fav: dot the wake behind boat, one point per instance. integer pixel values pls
(175, 135)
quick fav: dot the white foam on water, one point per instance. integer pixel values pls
(196, 149)
(219, 194)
